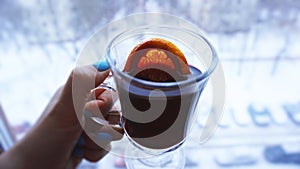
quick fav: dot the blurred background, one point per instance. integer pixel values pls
(257, 42)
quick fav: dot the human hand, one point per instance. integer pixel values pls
(50, 144)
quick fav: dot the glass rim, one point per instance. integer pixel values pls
(201, 77)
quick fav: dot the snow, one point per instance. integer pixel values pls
(261, 59)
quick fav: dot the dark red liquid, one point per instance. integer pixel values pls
(171, 125)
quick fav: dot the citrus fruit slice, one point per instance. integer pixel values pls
(157, 60)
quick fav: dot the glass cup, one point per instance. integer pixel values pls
(157, 116)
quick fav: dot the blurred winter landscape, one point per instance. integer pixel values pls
(257, 41)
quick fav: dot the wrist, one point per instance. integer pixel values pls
(10, 160)
(45, 146)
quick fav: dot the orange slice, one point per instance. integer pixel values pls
(157, 60)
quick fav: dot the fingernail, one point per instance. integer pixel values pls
(77, 152)
(80, 141)
(101, 65)
(104, 137)
(87, 114)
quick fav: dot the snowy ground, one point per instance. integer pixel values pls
(261, 67)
